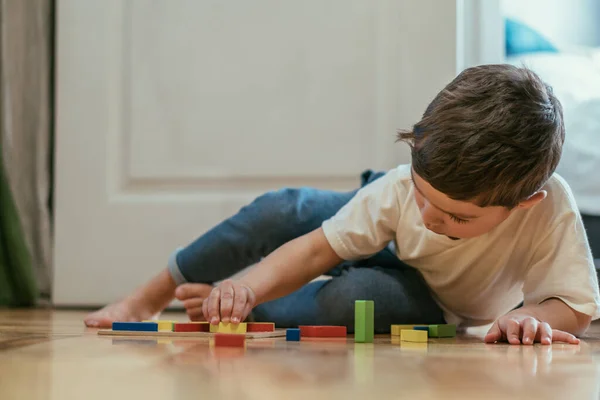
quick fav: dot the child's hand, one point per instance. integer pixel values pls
(517, 329)
(230, 301)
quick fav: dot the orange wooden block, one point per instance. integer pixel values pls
(191, 327)
(229, 340)
(260, 327)
(322, 331)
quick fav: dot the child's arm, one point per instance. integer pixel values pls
(280, 273)
(549, 321)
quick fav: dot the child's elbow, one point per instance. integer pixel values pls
(583, 321)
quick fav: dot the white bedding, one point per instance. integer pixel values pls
(575, 78)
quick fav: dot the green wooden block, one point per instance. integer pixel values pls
(364, 321)
(442, 331)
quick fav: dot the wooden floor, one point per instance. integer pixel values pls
(50, 355)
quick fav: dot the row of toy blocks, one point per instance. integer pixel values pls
(163, 326)
(172, 326)
(436, 331)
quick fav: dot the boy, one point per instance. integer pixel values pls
(477, 230)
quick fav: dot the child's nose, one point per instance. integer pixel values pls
(431, 216)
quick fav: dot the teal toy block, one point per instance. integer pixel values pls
(364, 321)
(292, 335)
(135, 326)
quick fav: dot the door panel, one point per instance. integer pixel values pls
(171, 115)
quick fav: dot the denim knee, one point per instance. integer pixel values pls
(398, 299)
(289, 212)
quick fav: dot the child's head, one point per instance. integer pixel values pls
(485, 146)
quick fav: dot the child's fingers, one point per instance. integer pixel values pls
(194, 313)
(513, 330)
(247, 310)
(530, 327)
(560, 336)
(494, 334)
(227, 297)
(239, 304)
(185, 291)
(544, 333)
(214, 306)
(196, 302)
(205, 310)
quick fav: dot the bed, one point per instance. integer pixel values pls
(574, 74)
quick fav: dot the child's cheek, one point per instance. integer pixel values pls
(419, 200)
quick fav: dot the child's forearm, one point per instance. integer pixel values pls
(291, 266)
(558, 315)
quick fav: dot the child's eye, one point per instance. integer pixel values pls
(458, 220)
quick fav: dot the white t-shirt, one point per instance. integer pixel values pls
(535, 254)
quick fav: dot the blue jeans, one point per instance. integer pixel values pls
(399, 291)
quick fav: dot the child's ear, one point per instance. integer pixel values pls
(533, 199)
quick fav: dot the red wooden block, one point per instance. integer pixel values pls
(260, 327)
(322, 331)
(229, 340)
(189, 327)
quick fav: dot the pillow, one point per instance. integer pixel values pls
(521, 39)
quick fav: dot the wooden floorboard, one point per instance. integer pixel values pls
(48, 354)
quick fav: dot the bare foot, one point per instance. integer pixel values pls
(192, 295)
(144, 303)
(124, 311)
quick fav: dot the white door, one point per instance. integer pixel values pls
(171, 115)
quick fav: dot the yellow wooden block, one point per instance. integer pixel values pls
(414, 346)
(228, 328)
(396, 329)
(163, 326)
(410, 335)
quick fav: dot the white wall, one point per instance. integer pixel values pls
(564, 22)
(479, 33)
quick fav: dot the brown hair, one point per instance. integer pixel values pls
(493, 136)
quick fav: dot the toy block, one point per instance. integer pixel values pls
(411, 335)
(364, 321)
(322, 331)
(421, 328)
(191, 327)
(442, 331)
(135, 326)
(292, 335)
(229, 340)
(412, 346)
(260, 327)
(163, 326)
(228, 328)
(397, 329)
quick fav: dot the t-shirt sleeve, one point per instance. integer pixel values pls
(562, 267)
(368, 222)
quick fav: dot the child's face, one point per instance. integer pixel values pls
(453, 218)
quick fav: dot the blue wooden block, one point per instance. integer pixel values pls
(135, 326)
(292, 335)
(421, 328)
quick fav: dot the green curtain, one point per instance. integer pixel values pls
(17, 280)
